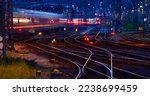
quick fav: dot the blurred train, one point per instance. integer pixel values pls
(32, 20)
(80, 21)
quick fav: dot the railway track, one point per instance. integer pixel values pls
(134, 49)
(116, 69)
(88, 60)
(34, 45)
(81, 61)
(63, 55)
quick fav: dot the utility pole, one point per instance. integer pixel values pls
(9, 12)
(3, 25)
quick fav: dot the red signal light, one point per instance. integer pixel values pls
(91, 43)
(140, 28)
(86, 39)
(113, 33)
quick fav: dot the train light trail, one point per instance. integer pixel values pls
(21, 20)
(31, 26)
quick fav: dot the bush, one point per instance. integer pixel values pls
(16, 69)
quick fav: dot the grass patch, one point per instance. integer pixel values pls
(16, 69)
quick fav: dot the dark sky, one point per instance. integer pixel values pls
(61, 1)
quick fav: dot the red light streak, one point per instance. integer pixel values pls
(31, 26)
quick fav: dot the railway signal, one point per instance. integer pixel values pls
(113, 33)
(86, 39)
(140, 28)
